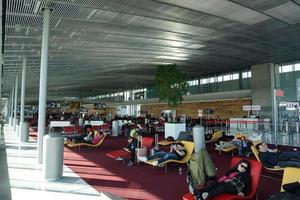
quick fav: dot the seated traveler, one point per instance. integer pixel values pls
(237, 181)
(177, 152)
(272, 157)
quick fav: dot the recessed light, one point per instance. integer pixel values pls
(172, 58)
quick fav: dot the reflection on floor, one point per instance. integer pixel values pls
(25, 176)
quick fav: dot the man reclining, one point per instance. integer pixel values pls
(272, 157)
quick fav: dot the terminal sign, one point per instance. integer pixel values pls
(251, 107)
(292, 104)
(200, 113)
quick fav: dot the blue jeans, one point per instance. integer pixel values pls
(163, 156)
(289, 159)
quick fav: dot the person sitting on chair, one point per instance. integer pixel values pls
(272, 157)
(237, 181)
(177, 152)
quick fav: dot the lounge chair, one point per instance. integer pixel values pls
(255, 176)
(290, 174)
(189, 146)
(256, 154)
(72, 144)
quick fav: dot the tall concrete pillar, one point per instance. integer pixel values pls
(43, 84)
(23, 128)
(263, 84)
(15, 122)
(1, 66)
(11, 106)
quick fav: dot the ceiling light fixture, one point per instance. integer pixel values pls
(72, 34)
(58, 22)
(172, 58)
(37, 7)
(195, 46)
(91, 13)
(27, 31)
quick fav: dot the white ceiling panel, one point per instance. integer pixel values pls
(100, 46)
(288, 12)
(222, 8)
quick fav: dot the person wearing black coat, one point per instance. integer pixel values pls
(237, 181)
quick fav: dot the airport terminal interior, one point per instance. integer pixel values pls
(150, 99)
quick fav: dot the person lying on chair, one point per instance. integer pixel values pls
(237, 181)
(85, 137)
(272, 157)
(177, 152)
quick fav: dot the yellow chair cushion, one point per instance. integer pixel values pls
(290, 175)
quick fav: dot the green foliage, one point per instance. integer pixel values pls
(171, 85)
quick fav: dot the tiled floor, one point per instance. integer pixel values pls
(25, 175)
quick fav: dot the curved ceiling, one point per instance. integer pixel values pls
(102, 46)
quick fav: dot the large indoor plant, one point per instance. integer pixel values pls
(171, 85)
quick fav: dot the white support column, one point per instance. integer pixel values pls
(15, 122)
(23, 128)
(23, 89)
(43, 84)
(1, 66)
(11, 106)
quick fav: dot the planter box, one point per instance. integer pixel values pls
(173, 129)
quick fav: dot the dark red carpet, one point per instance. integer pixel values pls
(144, 182)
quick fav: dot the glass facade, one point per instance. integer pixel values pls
(287, 79)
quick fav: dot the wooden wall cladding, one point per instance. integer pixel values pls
(222, 109)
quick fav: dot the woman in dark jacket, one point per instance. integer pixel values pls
(237, 181)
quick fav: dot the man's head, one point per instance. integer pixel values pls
(89, 129)
(262, 147)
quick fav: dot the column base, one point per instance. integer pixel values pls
(24, 131)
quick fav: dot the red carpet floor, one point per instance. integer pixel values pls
(144, 182)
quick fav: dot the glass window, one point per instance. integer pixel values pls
(297, 67)
(203, 81)
(226, 77)
(235, 76)
(246, 74)
(212, 79)
(287, 68)
(220, 78)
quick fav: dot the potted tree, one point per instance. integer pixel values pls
(171, 85)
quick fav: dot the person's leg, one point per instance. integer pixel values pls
(289, 163)
(132, 154)
(158, 155)
(290, 155)
(216, 189)
(168, 156)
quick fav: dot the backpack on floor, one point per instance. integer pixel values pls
(200, 170)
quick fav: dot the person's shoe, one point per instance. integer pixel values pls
(218, 147)
(204, 195)
(142, 158)
(130, 163)
(119, 158)
(155, 163)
